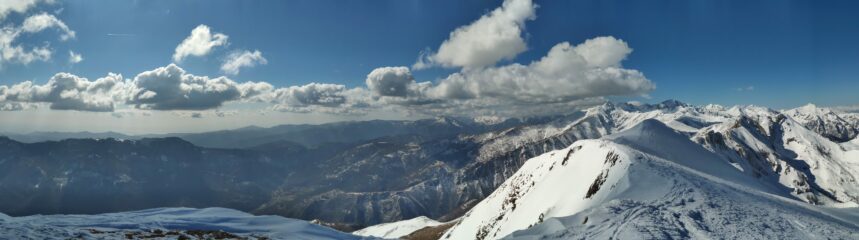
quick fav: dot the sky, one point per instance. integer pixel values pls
(188, 66)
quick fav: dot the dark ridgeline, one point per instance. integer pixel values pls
(299, 171)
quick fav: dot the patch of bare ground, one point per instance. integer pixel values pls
(430, 233)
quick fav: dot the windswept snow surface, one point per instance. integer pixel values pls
(398, 229)
(116, 225)
(647, 182)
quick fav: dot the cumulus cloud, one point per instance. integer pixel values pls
(164, 88)
(12, 52)
(396, 86)
(591, 69)
(567, 76)
(171, 88)
(199, 43)
(391, 81)
(42, 21)
(65, 91)
(494, 37)
(237, 60)
(75, 57)
(321, 94)
(321, 98)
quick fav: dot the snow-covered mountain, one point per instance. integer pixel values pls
(398, 229)
(776, 149)
(358, 174)
(165, 223)
(837, 126)
(646, 182)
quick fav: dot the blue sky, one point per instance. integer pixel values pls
(779, 54)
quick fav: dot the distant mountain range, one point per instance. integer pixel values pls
(304, 134)
(356, 174)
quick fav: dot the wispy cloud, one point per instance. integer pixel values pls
(849, 108)
(121, 35)
(242, 59)
(745, 89)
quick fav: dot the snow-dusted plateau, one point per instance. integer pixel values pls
(613, 171)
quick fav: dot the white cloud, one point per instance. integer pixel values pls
(42, 21)
(164, 88)
(65, 91)
(199, 43)
(568, 77)
(494, 37)
(321, 94)
(396, 86)
(255, 91)
(567, 74)
(12, 52)
(237, 60)
(75, 57)
(321, 98)
(171, 88)
(603, 51)
(19, 6)
(390, 81)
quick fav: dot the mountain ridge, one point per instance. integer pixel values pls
(401, 176)
(610, 188)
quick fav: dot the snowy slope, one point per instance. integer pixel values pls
(397, 229)
(145, 222)
(646, 182)
(851, 145)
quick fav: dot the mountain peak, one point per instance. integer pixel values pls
(807, 108)
(811, 109)
(647, 129)
(635, 106)
(671, 103)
